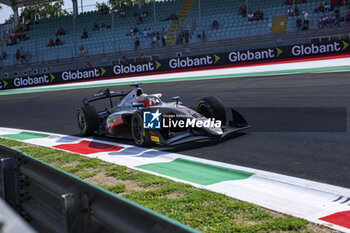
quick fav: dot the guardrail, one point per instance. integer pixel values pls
(54, 201)
(11, 222)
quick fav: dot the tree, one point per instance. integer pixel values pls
(45, 10)
(10, 19)
(101, 6)
(117, 3)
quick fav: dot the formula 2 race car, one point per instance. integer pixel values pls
(146, 119)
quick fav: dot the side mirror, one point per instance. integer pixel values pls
(176, 98)
(137, 105)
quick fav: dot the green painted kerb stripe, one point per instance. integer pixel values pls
(24, 136)
(196, 172)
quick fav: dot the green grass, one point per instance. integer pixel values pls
(115, 188)
(10, 143)
(201, 209)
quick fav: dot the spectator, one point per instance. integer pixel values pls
(9, 42)
(325, 20)
(95, 27)
(306, 18)
(158, 37)
(320, 23)
(18, 55)
(250, 16)
(58, 41)
(296, 11)
(51, 43)
(4, 55)
(215, 25)
(327, 7)
(60, 32)
(22, 36)
(136, 15)
(82, 50)
(337, 17)
(290, 12)
(289, 2)
(260, 15)
(320, 8)
(23, 57)
(137, 43)
(149, 32)
(131, 31)
(124, 60)
(145, 32)
(332, 20)
(164, 37)
(12, 40)
(203, 36)
(89, 65)
(103, 26)
(144, 14)
(333, 3)
(140, 20)
(298, 23)
(242, 11)
(142, 57)
(136, 31)
(85, 34)
(306, 21)
(154, 39)
(121, 13)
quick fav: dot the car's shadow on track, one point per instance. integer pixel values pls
(177, 148)
(199, 144)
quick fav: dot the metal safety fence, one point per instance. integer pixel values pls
(54, 201)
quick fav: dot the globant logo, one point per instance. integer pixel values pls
(299, 50)
(190, 62)
(22, 82)
(74, 75)
(127, 69)
(252, 56)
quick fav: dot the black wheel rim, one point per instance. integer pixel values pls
(81, 120)
(137, 129)
(204, 111)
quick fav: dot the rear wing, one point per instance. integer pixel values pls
(102, 94)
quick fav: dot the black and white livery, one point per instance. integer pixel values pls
(124, 118)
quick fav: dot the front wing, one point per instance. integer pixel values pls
(236, 123)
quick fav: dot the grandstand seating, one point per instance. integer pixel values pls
(231, 25)
(234, 25)
(98, 41)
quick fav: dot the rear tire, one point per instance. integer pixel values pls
(212, 107)
(88, 120)
(139, 133)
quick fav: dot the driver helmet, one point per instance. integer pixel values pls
(147, 102)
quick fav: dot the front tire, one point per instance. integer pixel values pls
(88, 120)
(212, 107)
(139, 133)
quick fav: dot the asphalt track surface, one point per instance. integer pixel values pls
(319, 156)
